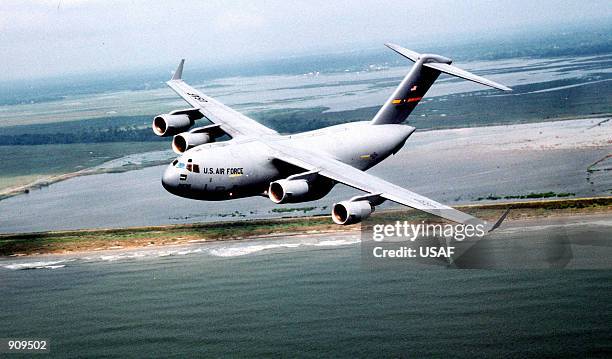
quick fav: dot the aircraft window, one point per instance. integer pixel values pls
(174, 162)
(189, 165)
(196, 168)
(180, 165)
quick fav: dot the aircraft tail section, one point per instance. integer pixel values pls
(417, 82)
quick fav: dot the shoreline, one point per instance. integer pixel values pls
(50, 180)
(93, 240)
(13, 191)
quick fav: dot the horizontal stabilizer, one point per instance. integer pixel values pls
(455, 71)
(438, 63)
(409, 54)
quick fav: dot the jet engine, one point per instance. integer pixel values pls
(186, 140)
(288, 191)
(349, 212)
(195, 137)
(168, 124)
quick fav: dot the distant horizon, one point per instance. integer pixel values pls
(246, 65)
(45, 40)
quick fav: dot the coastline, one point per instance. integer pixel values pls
(92, 240)
(48, 181)
(425, 137)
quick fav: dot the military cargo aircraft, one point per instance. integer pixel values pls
(235, 156)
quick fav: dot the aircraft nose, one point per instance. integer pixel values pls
(170, 179)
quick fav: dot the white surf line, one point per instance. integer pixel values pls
(239, 250)
(36, 265)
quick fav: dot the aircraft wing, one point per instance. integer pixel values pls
(231, 121)
(353, 177)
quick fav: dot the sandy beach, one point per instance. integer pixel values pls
(117, 239)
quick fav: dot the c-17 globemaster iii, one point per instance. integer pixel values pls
(258, 161)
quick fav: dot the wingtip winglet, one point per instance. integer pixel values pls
(501, 87)
(178, 74)
(506, 88)
(500, 220)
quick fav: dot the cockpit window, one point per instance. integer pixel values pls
(191, 167)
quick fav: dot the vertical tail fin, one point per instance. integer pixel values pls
(413, 87)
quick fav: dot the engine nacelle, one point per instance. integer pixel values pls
(186, 140)
(347, 212)
(288, 191)
(169, 125)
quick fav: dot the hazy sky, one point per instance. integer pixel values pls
(53, 37)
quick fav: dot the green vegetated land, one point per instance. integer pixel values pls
(80, 240)
(90, 239)
(290, 210)
(531, 195)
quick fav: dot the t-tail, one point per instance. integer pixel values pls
(413, 87)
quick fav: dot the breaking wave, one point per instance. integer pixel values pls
(218, 250)
(36, 265)
(242, 250)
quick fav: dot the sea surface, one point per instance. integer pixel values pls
(308, 296)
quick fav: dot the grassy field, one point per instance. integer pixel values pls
(87, 240)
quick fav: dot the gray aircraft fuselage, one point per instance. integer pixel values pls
(244, 168)
(258, 161)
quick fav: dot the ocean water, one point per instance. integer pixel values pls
(305, 297)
